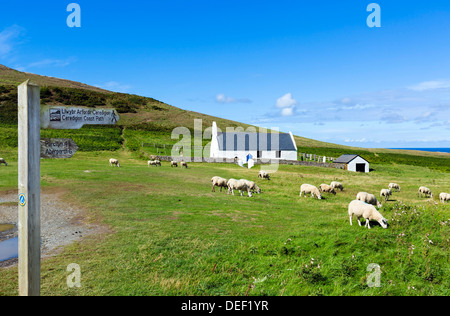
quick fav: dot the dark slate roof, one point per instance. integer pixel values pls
(255, 141)
(346, 158)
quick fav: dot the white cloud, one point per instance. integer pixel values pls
(49, 62)
(287, 111)
(431, 85)
(287, 104)
(114, 86)
(361, 140)
(7, 37)
(222, 98)
(286, 101)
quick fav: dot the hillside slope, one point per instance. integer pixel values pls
(146, 120)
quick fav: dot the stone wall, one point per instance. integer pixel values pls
(258, 161)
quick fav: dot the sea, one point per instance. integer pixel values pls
(440, 150)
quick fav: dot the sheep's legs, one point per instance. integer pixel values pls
(351, 224)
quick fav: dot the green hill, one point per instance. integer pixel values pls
(146, 124)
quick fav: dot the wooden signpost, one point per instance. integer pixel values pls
(31, 148)
(29, 189)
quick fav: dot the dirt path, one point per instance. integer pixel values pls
(61, 223)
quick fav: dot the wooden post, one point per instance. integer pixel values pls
(29, 189)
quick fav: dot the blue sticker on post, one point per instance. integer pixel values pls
(22, 199)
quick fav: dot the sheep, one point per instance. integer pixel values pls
(3, 161)
(368, 198)
(234, 184)
(183, 164)
(326, 188)
(444, 197)
(395, 186)
(155, 163)
(174, 164)
(310, 189)
(385, 193)
(114, 162)
(367, 211)
(252, 185)
(219, 182)
(425, 191)
(337, 185)
(263, 175)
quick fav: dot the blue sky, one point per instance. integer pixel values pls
(311, 67)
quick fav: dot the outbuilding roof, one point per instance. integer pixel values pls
(347, 158)
(242, 141)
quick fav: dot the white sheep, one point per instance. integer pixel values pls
(444, 197)
(367, 211)
(174, 164)
(368, 198)
(219, 182)
(155, 163)
(114, 162)
(183, 164)
(264, 175)
(252, 185)
(385, 193)
(395, 186)
(3, 161)
(234, 184)
(310, 189)
(337, 185)
(326, 188)
(425, 191)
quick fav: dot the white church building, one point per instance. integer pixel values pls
(247, 145)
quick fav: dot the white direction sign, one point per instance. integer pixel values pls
(65, 117)
(55, 148)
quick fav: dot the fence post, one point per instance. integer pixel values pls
(29, 131)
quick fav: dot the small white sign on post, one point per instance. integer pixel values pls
(66, 117)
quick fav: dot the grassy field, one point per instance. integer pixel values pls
(168, 234)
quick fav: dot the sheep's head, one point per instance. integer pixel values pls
(383, 222)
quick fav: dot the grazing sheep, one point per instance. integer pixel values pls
(310, 189)
(252, 185)
(114, 162)
(367, 211)
(385, 193)
(395, 186)
(444, 197)
(368, 198)
(219, 182)
(155, 163)
(425, 191)
(183, 164)
(3, 161)
(263, 175)
(174, 164)
(240, 185)
(326, 188)
(337, 185)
